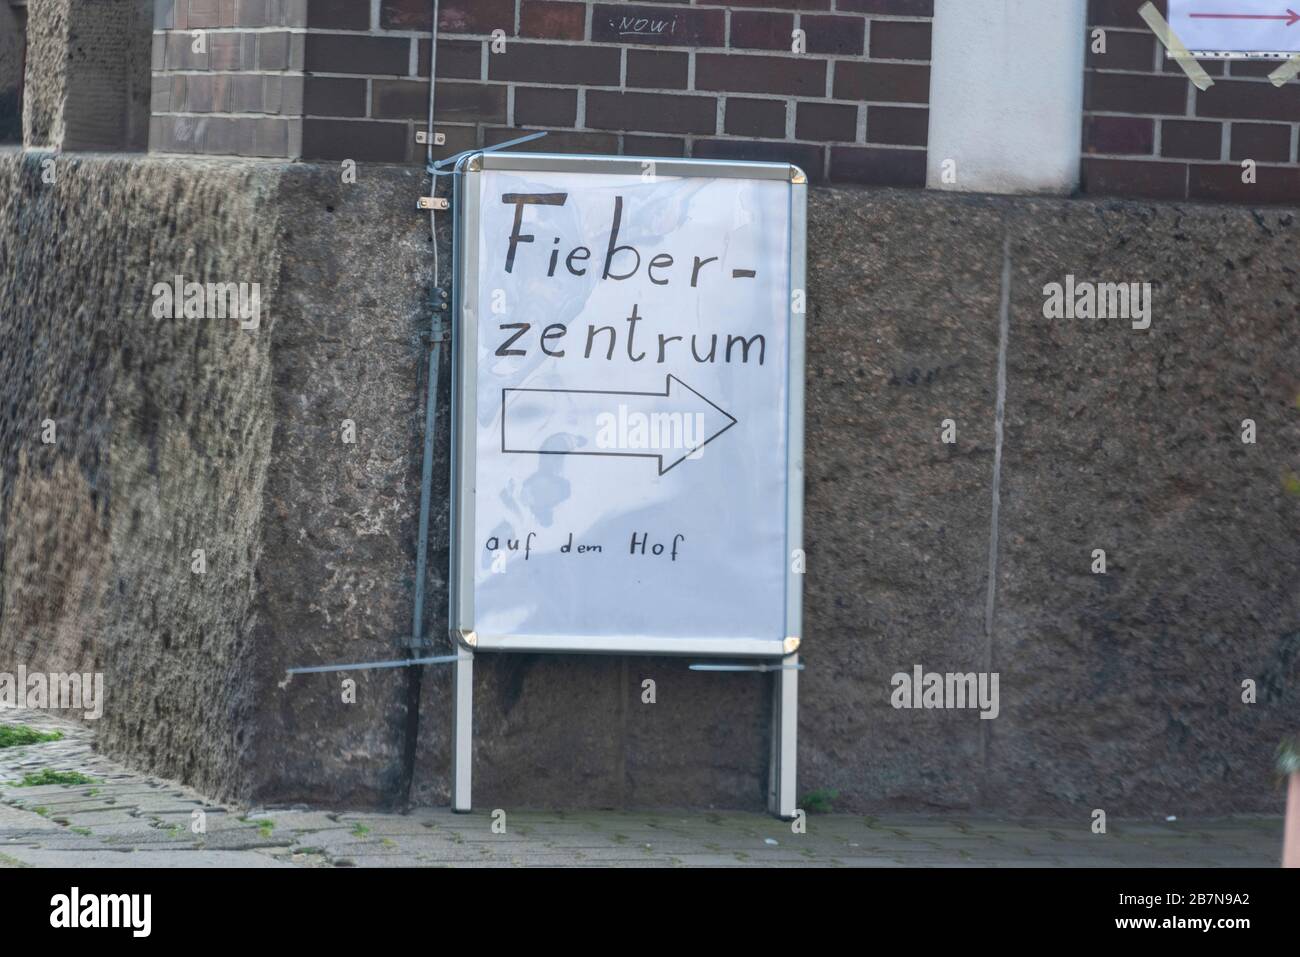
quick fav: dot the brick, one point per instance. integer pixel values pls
(402, 99)
(1273, 184)
(334, 96)
(272, 94)
(898, 125)
(900, 40)
(182, 134)
(785, 4)
(826, 121)
(838, 36)
(651, 112)
(251, 13)
(542, 106)
(178, 94)
(457, 59)
(160, 94)
(752, 73)
(807, 157)
(1135, 178)
(1121, 13)
(409, 99)
(556, 63)
(378, 56)
(653, 146)
(273, 50)
(663, 26)
(1243, 100)
(890, 82)
(1253, 68)
(225, 51)
(227, 137)
(1124, 51)
(1264, 143)
(897, 8)
(207, 94)
(180, 54)
(473, 16)
(750, 117)
(657, 69)
(418, 15)
(362, 140)
(767, 30)
(204, 13)
(561, 142)
(1119, 134)
(877, 167)
(1127, 93)
(552, 21)
(246, 95)
(270, 137)
(339, 15)
(1188, 139)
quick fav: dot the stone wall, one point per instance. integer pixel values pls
(1121, 691)
(164, 435)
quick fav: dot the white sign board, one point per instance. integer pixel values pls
(1231, 28)
(629, 401)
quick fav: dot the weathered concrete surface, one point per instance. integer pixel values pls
(1120, 691)
(182, 434)
(129, 819)
(1124, 690)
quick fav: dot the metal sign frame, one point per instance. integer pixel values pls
(465, 309)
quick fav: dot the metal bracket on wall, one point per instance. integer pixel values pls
(438, 139)
(432, 202)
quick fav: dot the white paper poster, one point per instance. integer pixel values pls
(632, 404)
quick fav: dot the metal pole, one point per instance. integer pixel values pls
(785, 727)
(462, 760)
(463, 735)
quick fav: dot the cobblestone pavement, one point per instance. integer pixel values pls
(123, 818)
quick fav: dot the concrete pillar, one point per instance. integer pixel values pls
(1006, 95)
(87, 79)
(12, 46)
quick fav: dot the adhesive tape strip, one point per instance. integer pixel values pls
(1286, 71)
(1165, 34)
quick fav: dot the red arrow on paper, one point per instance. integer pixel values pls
(1290, 16)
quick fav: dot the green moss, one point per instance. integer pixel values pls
(360, 830)
(46, 776)
(819, 802)
(18, 735)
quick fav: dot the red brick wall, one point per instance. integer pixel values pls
(671, 78)
(1149, 132)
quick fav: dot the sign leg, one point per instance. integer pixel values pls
(785, 727)
(463, 732)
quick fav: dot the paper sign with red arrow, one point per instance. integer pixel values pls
(1228, 28)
